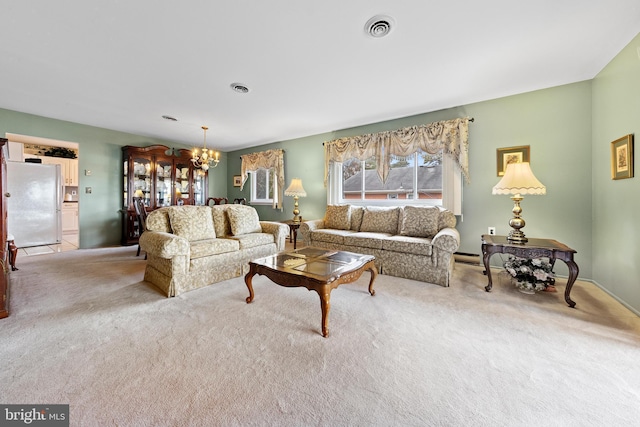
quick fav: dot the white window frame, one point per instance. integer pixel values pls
(451, 189)
(254, 185)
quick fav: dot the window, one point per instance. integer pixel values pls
(419, 179)
(261, 187)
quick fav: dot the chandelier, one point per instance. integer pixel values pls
(206, 158)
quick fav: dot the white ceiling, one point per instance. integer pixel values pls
(310, 67)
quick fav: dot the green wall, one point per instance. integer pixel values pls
(100, 152)
(554, 122)
(616, 230)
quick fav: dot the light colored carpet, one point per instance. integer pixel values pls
(86, 330)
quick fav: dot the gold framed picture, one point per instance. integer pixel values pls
(237, 180)
(511, 155)
(622, 157)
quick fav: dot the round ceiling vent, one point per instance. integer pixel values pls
(379, 26)
(239, 87)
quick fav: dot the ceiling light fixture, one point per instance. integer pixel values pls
(379, 26)
(239, 87)
(207, 158)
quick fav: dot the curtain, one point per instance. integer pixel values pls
(270, 160)
(451, 136)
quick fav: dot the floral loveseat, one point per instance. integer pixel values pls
(411, 242)
(189, 247)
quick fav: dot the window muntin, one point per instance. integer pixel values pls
(415, 179)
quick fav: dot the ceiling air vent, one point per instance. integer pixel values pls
(239, 87)
(379, 26)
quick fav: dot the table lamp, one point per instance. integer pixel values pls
(296, 190)
(518, 179)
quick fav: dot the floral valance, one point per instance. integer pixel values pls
(271, 160)
(451, 136)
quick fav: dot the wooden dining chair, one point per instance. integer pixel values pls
(141, 214)
(217, 201)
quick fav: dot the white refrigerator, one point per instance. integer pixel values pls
(34, 205)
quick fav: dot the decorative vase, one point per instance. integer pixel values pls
(529, 275)
(527, 287)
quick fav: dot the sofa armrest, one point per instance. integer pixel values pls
(447, 239)
(164, 245)
(308, 226)
(279, 230)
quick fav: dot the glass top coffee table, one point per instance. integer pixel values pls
(321, 270)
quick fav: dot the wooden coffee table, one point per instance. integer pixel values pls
(321, 270)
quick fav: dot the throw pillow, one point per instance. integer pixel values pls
(243, 220)
(338, 217)
(447, 219)
(380, 220)
(158, 220)
(420, 221)
(221, 220)
(192, 222)
(356, 217)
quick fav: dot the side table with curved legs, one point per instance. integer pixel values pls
(534, 248)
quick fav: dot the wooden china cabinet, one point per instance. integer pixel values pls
(162, 177)
(4, 253)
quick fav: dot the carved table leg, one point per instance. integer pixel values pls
(295, 238)
(486, 255)
(13, 254)
(573, 275)
(247, 280)
(374, 274)
(325, 304)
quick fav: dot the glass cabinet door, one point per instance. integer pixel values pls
(164, 195)
(182, 183)
(142, 179)
(125, 190)
(199, 196)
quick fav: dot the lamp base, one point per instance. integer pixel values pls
(296, 211)
(517, 236)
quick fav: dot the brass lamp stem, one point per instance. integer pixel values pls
(296, 211)
(516, 223)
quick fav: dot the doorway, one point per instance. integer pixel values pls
(28, 149)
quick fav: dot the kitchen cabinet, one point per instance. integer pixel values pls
(69, 168)
(71, 172)
(160, 179)
(69, 217)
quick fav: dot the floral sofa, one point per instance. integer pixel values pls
(413, 242)
(189, 247)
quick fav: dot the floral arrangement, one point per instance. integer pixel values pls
(61, 152)
(530, 274)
